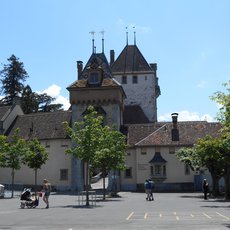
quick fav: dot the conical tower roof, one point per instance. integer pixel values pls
(130, 60)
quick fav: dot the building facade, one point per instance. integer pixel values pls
(125, 92)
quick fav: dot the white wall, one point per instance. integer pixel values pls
(51, 170)
(142, 93)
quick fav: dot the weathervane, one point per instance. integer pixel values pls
(127, 35)
(102, 32)
(134, 35)
(92, 33)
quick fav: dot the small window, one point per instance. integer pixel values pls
(143, 153)
(135, 80)
(128, 154)
(63, 174)
(128, 172)
(157, 170)
(94, 78)
(124, 80)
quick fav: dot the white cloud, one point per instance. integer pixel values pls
(187, 116)
(202, 84)
(54, 91)
(133, 27)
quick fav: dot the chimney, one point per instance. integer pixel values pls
(79, 69)
(154, 67)
(175, 131)
(112, 55)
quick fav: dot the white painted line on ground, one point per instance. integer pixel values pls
(146, 214)
(227, 218)
(207, 215)
(130, 215)
(160, 215)
(191, 215)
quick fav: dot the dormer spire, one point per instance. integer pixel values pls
(102, 32)
(127, 35)
(93, 47)
(134, 35)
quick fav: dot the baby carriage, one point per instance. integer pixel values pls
(28, 199)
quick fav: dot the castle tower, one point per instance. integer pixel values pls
(95, 86)
(140, 83)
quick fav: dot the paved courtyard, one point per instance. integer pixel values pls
(129, 211)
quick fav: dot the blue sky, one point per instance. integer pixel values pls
(188, 39)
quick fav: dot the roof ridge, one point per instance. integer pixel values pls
(150, 134)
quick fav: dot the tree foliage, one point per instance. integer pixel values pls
(96, 145)
(12, 77)
(12, 152)
(85, 137)
(35, 156)
(111, 152)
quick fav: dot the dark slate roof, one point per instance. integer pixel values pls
(41, 125)
(158, 158)
(98, 60)
(130, 60)
(159, 134)
(134, 114)
(3, 110)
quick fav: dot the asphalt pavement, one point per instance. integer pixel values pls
(128, 211)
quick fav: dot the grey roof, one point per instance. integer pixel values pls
(3, 110)
(130, 60)
(41, 125)
(157, 158)
(96, 60)
(159, 134)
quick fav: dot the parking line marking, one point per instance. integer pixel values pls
(160, 215)
(191, 215)
(146, 214)
(130, 215)
(227, 218)
(207, 215)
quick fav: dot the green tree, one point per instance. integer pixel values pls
(29, 103)
(35, 156)
(187, 155)
(223, 99)
(208, 150)
(12, 77)
(11, 156)
(111, 152)
(85, 137)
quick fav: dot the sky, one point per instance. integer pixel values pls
(188, 39)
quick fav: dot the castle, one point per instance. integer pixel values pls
(125, 92)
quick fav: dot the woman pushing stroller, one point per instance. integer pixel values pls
(46, 189)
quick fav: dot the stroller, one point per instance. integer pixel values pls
(29, 199)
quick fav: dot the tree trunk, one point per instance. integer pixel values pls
(227, 182)
(36, 176)
(12, 184)
(87, 183)
(215, 185)
(103, 176)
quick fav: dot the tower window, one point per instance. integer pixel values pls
(135, 80)
(94, 78)
(124, 80)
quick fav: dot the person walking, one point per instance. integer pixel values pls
(151, 189)
(46, 189)
(147, 187)
(205, 189)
